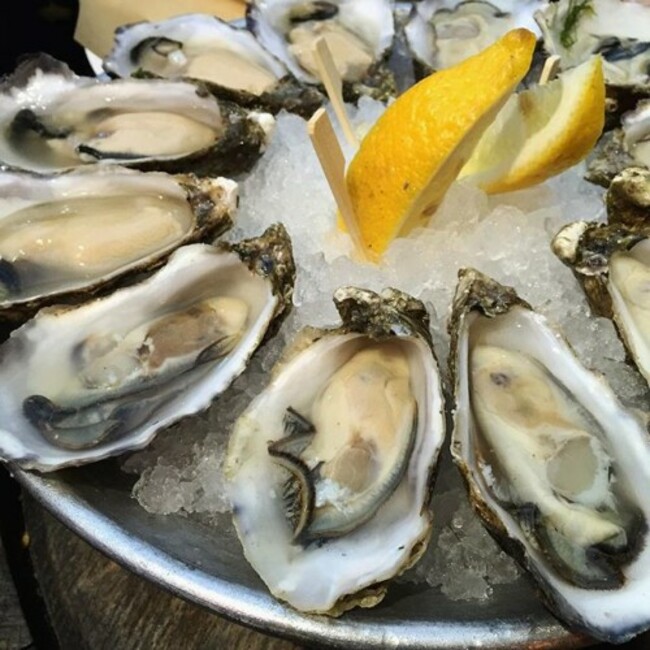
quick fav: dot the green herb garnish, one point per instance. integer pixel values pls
(577, 9)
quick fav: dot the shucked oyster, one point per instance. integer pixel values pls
(555, 467)
(442, 33)
(358, 33)
(73, 233)
(330, 467)
(612, 263)
(229, 60)
(84, 383)
(52, 121)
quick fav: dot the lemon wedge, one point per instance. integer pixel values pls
(541, 131)
(416, 149)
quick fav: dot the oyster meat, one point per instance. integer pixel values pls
(229, 60)
(53, 121)
(85, 383)
(329, 469)
(442, 33)
(359, 34)
(70, 234)
(555, 467)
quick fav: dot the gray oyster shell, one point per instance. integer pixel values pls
(627, 146)
(189, 47)
(51, 120)
(350, 567)
(591, 250)
(69, 401)
(113, 212)
(488, 318)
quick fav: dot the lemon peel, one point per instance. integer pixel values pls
(541, 131)
(418, 146)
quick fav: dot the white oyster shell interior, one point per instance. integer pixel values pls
(105, 362)
(316, 575)
(587, 477)
(57, 123)
(61, 233)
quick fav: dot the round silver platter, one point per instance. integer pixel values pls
(204, 564)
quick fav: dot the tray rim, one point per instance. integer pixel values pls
(259, 610)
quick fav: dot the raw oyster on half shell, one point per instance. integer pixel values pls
(227, 59)
(329, 469)
(68, 235)
(85, 383)
(627, 146)
(612, 263)
(442, 33)
(359, 34)
(52, 121)
(557, 470)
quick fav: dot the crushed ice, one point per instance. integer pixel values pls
(504, 236)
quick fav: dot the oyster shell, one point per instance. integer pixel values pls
(616, 30)
(628, 146)
(359, 34)
(53, 120)
(557, 470)
(227, 59)
(329, 469)
(628, 197)
(442, 33)
(65, 236)
(85, 383)
(612, 263)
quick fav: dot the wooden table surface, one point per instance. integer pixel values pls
(90, 603)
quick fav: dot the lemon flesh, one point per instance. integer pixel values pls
(418, 146)
(541, 131)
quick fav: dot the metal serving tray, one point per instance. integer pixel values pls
(205, 564)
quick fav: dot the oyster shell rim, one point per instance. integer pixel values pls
(277, 268)
(477, 292)
(376, 317)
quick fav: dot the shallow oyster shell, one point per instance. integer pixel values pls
(628, 197)
(67, 236)
(190, 48)
(51, 120)
(336, 573)
(52, 387)
(495, 314)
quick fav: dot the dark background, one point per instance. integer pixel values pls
(29, 26)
